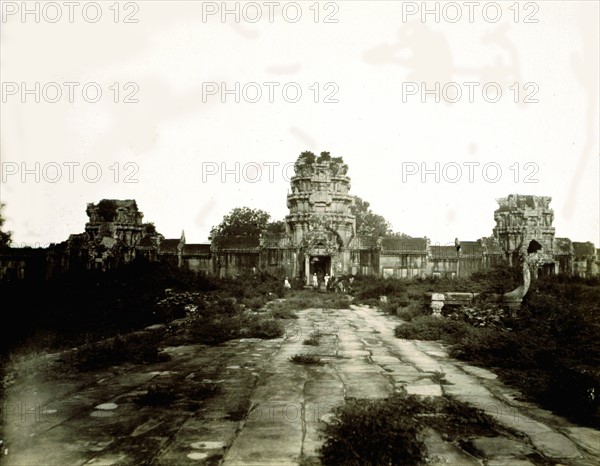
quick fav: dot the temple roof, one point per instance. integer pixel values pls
(197, 249)
(443, 252)
(169, 245)
(584, 249)
(412, 245)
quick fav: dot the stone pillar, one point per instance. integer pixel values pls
(307, 269)
(437, 303)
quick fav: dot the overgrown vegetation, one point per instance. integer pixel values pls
(411, 293)
(188, 393)
(550, 349)
(306, 359)
(84, 307)
(390, 431)
(312, 340)
(226, 320)
(137, 348)
(307, 299)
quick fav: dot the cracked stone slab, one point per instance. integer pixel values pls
(441, 452)
(508, 461)
(424, 389)
(500, 446)
(555, 445)
(586, 437)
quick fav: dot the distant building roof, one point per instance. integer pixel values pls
(443, 252)
(202, 249)
(406, 245)
(584, 249)
(169, 246)
(471, 248)
(240, 242)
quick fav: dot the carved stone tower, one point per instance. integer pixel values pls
(114, 229)
(320, 223)
(524, 229)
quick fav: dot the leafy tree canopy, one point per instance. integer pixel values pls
(5, 236)
(368, 223)
(309, 157)
(242, 221)
(276, 228)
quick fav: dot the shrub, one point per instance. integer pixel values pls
(433, 328)
(255, 302)
(412, 311)
(388, 431)
(373, 432)
(369, 288)
(280, 311)
(218, 329)
(134, 348)
(306, 359)
(312, 341)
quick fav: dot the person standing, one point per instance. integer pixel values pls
(326, 280)
(315, 280)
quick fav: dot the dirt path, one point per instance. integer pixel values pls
(268, 410)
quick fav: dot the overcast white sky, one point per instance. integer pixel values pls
(172, 139)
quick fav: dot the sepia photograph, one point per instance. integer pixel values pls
(300, 233)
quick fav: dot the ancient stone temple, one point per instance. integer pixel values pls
(320, 238)
(320, 224)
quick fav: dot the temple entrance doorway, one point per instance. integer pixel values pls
(320, 265)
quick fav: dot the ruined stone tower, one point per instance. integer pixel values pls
(320, 223)
(524, 229)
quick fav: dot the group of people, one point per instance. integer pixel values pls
(338, 284)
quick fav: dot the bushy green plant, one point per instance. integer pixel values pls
(388, 431)
(306, 359)
(373, 433)
(433, 328)
(413, 310)
(369, 287)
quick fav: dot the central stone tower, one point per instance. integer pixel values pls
(320, 223)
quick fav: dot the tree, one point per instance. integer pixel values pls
(107, 210)
(276, 228)
(368, 223)
(242, 221)
(5, 237)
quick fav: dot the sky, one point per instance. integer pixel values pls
(195, 108)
